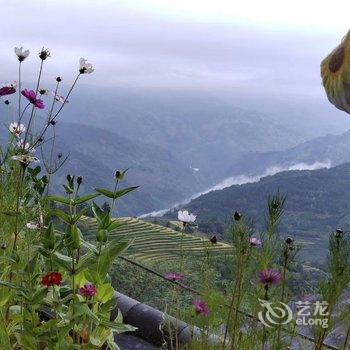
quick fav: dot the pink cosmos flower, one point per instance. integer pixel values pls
(174, 276)
(255, 241)
(270, 276)
(8, 89)
(201, 307)
(88, 290)
(30, 95)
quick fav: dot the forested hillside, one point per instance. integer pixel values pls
(317, 203)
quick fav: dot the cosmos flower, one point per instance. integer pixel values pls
(52, 279)
(30, 95)
(59, 98)
(255, 241)
(88, 290)
(85, 67)
(270, 276)
(23, 146)
(25, 159)
(335, 73)
(17, 129)
(174, 276)
(185, 216)
(8, 89)
(201, 307)
(21, 54)
(33, 226)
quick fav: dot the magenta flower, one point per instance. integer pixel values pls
(30, 95)
(270, 276)
(174, 276)
(88, 290)
(7, 90)
(201, 307)
(255, 241)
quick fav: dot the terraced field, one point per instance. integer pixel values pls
(151, 242)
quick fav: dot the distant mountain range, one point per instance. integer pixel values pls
(328, 150)
(176, 144)
(97, 154)
(318, 201)
(203, 131)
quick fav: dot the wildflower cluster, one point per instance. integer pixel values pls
(46, 264)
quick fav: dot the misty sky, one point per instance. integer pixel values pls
(227, 45)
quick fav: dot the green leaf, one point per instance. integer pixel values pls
(5, 342)
(105, 293)
(114, 225)
(86, 198)
(63, 261)
(12, 286)
(105, 192)
(107, 257)
(62, 215)
(118, 327)
(60, 199)
(83, 309)
(48, 237)
(99, 214)
(10, 213)
(124, 191)
(28, 341)
(117, 194)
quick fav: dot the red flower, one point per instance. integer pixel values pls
(201, 307)
(174, 276)
(52, 279)
(30, 95)
(88, 290)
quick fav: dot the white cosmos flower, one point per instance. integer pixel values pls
(85, 67)
(16, 128)
(20, 144)
(59, 98)
(25, 159)
(33, 226)
(21, 54)
(185, 216)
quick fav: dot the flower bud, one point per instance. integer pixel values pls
(58, 79)
(69, 177)
(289, 240)
(214, 240)
(338, 232)
(44, 54)
(237, 216)
(79, 180)
(119, 175)
(101, 236)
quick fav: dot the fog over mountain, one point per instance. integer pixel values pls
(211, 87)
